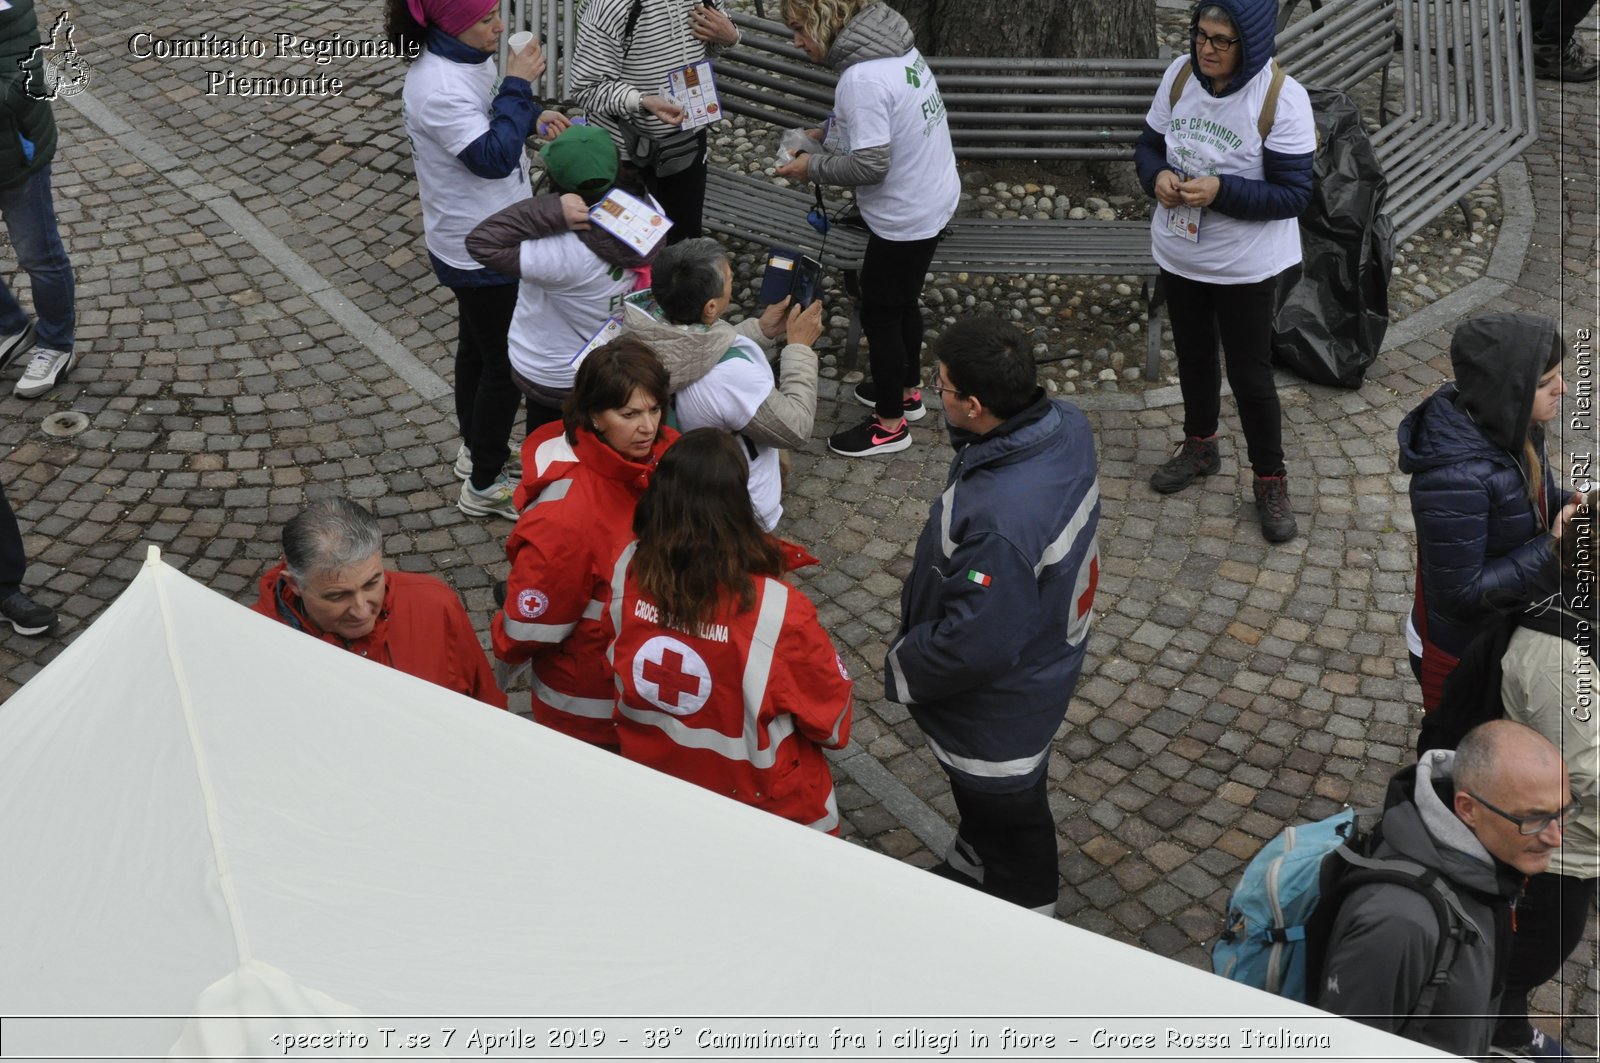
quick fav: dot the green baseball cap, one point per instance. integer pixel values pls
(583, 160)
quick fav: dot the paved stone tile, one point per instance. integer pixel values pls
(1233, 687)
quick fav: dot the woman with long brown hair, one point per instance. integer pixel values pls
(725, 676)
(1486, 505)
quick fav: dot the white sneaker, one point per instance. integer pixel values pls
(47, 369)
(494, 501)
(463, 466)
(15, 343)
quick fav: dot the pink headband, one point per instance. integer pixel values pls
(451, 16)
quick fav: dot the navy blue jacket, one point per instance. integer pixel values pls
(1480, 541)
(995, 613)
(1285, 188)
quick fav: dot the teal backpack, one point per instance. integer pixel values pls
(1281, 914)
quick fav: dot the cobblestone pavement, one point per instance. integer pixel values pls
(258, 324)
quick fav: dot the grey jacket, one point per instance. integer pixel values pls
(688, 351)
(877, 31)
(1382, 945)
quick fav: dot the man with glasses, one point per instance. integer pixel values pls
(1484, 817)
(994, 617)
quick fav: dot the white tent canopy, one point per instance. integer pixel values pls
(205, 812)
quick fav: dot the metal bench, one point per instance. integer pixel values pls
(998, 109)
(1465, 108)
(1465, 70)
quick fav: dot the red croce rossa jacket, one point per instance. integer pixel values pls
(422, 630)
(576, 503)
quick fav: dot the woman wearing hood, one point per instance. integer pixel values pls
(1487, 508)
(890, 140)
(1224, 231)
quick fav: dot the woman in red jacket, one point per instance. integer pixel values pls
(725, 677)
(582, 477)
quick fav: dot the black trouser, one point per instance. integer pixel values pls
(1240, 316)
(1549, 926)
(1554, 20)
(544, 404)
(683, 195)
(486, 399)
(1013, 838)
(892, 275)
(12, 562)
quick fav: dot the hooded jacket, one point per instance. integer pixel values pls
(1285, 187)
(889, 137)
(1479, 539)
(422, 630)
(689, 352)
(877, 31)
(27, 125)
(995, 613)
(1382, 945)
(577, 503)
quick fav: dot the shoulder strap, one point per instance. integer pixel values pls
(1453, 922)
(1177, 85)
(1553, 620)
(1269, 106)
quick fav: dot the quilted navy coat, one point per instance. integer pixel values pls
(1480, 540)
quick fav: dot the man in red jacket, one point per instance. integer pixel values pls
(331, 584)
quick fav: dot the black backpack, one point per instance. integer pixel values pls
(1472, 692)
(1354, 864)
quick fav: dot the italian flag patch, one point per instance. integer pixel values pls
(982, 579)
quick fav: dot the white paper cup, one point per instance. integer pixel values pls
(519, 40)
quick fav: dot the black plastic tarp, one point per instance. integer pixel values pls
(1331, 322)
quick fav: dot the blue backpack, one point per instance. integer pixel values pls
(1281, 914)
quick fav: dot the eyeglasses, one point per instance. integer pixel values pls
(932, 384)
(1221, 44)
(1532, 824)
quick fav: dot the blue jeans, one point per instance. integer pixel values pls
(30, 216)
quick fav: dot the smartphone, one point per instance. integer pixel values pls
(807, 281)
(790, 273)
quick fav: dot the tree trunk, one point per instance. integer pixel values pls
(1120, 29)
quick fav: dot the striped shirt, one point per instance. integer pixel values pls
(607, 84)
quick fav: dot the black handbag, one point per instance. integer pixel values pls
(659, 156)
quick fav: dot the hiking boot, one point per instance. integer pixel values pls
(15, 343)
(492, 501)
(47, 369)
(866, 393)
(463, 465)
(1272, 503)
(1542, 1046)
(1196, 457)
(27, 615)
(870, 437)
(1564, 62)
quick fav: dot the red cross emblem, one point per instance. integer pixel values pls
(671, 676)
(671, 681)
